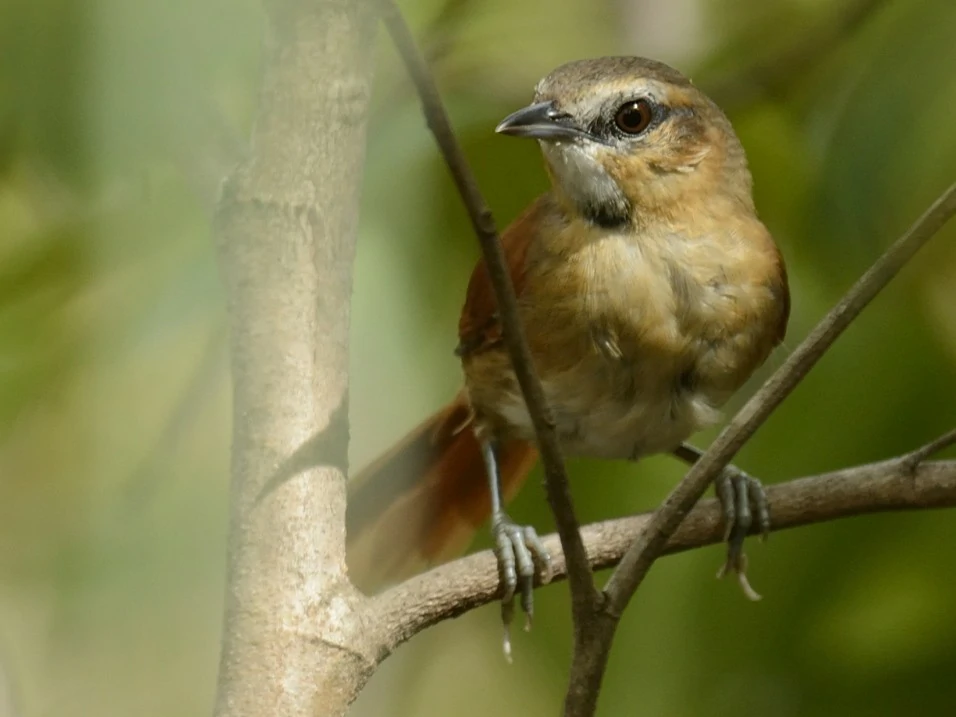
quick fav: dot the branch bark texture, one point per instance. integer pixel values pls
(637, 561)
(596, 615)
(287, 224)
(592, 652)
(298, 638)
(893, 485)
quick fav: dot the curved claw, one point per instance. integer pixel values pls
(741, 496)
(519, 550)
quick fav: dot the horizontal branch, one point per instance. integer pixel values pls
(457, 587)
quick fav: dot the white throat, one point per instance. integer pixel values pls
(584, 180)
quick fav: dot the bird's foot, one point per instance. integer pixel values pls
(519, 551)
(744, 502)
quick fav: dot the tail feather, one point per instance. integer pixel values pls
(422, 502)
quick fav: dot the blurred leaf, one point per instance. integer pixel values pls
(117, 118)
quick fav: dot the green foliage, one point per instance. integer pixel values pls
(116, 118)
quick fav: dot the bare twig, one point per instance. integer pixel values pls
(930, 449)
(591, 660)
(583, 593)
(595, 620)
(633, 568)
(465, 584)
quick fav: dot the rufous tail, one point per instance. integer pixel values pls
(422, 502)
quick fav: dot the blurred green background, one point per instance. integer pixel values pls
(116, 121)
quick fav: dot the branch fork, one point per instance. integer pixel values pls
(298, 636)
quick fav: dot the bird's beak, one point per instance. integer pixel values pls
(541, 120)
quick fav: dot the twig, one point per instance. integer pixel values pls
(465, 584)
(437, 41)
(912, 460)
(596, 615)
(590, 660)
(583, 593)
(635, 564)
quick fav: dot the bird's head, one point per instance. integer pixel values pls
(626, 138)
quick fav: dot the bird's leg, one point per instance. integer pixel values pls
(741, 496)
(517, 548)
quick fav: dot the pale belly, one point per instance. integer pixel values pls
(622, 418)
(636, 351)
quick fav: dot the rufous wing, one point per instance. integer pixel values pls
(479, 327)
(422, 502)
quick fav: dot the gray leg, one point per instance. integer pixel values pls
(517, 547)
(738, 493)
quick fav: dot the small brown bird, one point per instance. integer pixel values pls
(649, 292)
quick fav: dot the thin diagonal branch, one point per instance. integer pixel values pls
(583, 593)
(437, 41)
(930, 449)
(468, 583)
(635, 564)
(596, 615)
(590, 660)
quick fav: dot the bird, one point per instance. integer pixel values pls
(649, 292)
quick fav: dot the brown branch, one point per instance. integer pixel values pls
(590, 660)
(634, 566)
(583, 593)
(595, 620)
(930, 449)
(437, 41)
(465, 584)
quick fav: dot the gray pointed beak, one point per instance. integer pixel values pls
(541, 120)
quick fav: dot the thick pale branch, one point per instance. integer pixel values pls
(583, 593)
(596, 615)
(293, 636)
(455, 588)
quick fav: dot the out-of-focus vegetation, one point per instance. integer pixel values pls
(116, 118)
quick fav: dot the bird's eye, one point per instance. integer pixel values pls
(634, 117)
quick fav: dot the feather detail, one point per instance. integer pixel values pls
(423, 501)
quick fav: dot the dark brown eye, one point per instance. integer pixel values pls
(634, 116)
